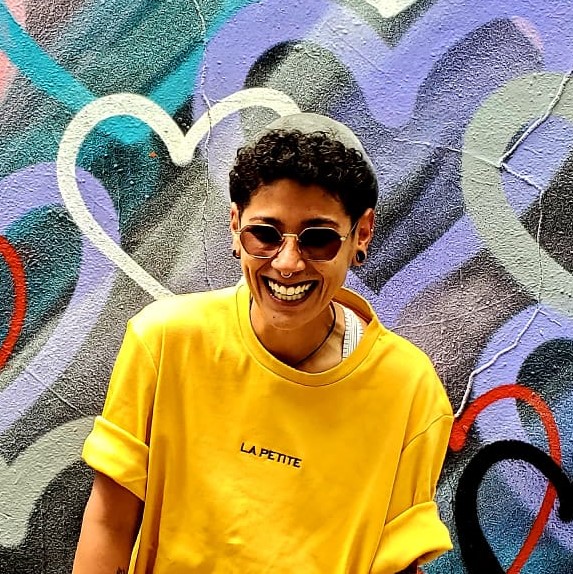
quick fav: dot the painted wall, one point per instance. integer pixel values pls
(109, 200)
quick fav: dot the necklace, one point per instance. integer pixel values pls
(323, 342)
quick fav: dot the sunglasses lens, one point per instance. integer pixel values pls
(319, 243)
(261, 240)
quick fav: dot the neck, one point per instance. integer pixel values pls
(311, 347)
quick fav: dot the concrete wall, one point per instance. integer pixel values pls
(465, 108)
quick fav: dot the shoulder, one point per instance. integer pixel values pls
(182, 319)
(407, 355)
(399, 365)
(184, 309)
(397, 352)
(419, 395)
(417, 377)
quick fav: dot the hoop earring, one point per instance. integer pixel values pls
(236, 254)
(360, 257)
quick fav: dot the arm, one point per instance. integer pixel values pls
(109, 528)
(414, 532)
(412, 569)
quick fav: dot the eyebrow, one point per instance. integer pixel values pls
(312, 222)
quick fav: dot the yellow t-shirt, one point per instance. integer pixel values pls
(247, 465)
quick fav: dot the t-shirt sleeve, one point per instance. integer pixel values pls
(118, 444)
(413, 530)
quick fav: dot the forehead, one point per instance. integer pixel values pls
(287, 202)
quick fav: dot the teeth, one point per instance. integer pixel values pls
(291, 293)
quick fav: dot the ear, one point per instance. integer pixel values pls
(235, 225)
(364, 230)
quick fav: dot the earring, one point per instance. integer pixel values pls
(360, 257)
(236, 254)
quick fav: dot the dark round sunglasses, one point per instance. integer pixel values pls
(264, 241)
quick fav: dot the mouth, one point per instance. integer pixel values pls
(289, 292)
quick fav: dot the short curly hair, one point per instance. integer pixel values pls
(307, 158)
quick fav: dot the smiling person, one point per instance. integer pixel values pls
(275, 426)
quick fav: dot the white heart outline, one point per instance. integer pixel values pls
(26, 479)
(181, 148)
(514, 105)
(390, 8)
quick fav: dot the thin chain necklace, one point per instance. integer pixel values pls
(323, 342)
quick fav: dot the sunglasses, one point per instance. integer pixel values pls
(264, 241)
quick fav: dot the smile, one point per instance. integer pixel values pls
(290, 293)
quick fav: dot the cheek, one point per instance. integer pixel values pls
(344, 268)
(346, 257)
(349, 256)
(250, 267)
(334, 277)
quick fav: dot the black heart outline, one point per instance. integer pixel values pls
(476, 552)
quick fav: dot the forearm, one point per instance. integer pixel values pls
(109, 529)
(102, 551)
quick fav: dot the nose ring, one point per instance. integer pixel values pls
(286, 275)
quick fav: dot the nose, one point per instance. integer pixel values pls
(289, 258)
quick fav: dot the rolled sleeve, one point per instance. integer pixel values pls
(414, 530)
(118, 454)
(416, 534)
(118, 444)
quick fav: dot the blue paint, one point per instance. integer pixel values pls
(53, 246)
(49, 76)
(168, 93)
(39, 67)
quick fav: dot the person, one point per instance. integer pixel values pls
(277, 425)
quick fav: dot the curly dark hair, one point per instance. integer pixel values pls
(307, 158)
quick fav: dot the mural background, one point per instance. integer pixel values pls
(466, 109)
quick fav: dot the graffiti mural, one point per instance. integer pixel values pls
(119, 124)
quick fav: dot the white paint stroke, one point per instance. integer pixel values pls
(527, 100)
(23, 482)
(390, 8)
(181, 148)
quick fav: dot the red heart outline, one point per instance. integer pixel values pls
(459, 435)
(16, 268)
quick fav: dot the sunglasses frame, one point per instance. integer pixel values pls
(342, 239)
